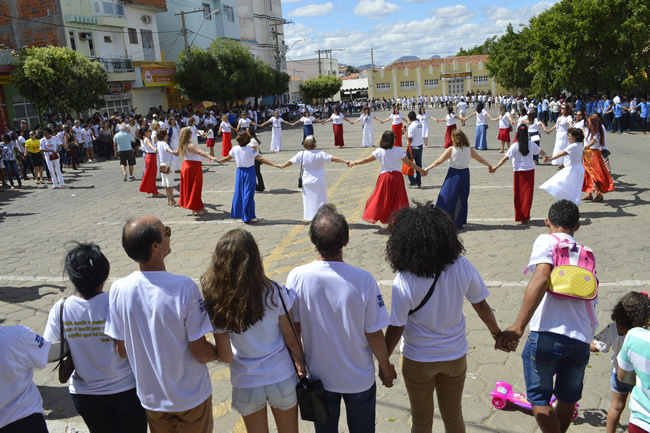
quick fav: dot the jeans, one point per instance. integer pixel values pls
(359, 408)
(12, 171)
(111, 413)
(417, 159)
(34, 423)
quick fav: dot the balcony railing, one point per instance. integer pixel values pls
(116, 64)
(108, 8)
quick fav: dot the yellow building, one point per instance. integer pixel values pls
(434, 77)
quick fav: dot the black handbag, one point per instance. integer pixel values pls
(65, 365)
(310, 393)
(300, 175)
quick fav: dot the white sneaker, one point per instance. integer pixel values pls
(124, 177)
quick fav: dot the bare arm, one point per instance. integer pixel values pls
(503, 161)
(203, 351)
(393, 334)
(292, 343)
(266, 161)
(532, 297)
(365, 160)
(559, 155)
(192, 147)
(285, 165)
(478, 157)
(626, 376)
(337, 159)
(445, 156)
(411, 164)
(224, 350)
(486, 315)
(225, 159)
(121, 349)
(378, 346)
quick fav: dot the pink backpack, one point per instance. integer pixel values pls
(574, 271)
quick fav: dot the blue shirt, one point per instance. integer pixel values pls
(579, 105)
(123, 141)
(590, 108)
(545, 105)
(644, 109)
(618, 111)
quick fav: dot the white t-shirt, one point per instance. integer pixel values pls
(195, 136)
(504, 121)
(164, 156)
(22, 352)
(450, 119)
(313, 165)
(244, 123)
(414, 132)
(157, 314)
(337, 119)
(276, 123)
(210, 133)
(244, 156)
(390, 159)
(519, 161)
(307, 120)
(173, 143)
(78, 134)
(260, 356)
(225, 127)
(336, 305)
(575, 154)
(534, 127)
(462, 106)
(608, 339)
(568, 317)
(99, 369)
(480, 118)
(436, 332)
(460, 157)
(589, 137)
(396, 118)
(87, 135)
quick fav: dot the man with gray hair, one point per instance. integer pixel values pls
(340, 313)
(122, 142)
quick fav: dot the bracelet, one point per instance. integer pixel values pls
(495, 336)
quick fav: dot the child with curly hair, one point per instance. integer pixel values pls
(632, 311)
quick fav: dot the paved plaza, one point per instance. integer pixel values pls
(38, 224)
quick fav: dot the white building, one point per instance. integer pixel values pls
(305, 69)
(262, 28)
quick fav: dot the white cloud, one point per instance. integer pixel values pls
(312, 10)
(458, 11)
(375, 8)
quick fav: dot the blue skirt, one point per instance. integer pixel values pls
(480, 142)
(243, 201)
(454, 194)
(307, 130)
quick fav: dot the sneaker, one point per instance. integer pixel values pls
(132, 177)
(124, 177)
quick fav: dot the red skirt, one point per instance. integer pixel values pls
(504, 135)
(597, 178)
(397, 129)
(191, 185)
(148, 183)
(226, 143)
(450, 129)
(524, 188)
(338, 135)
(210, 142)
(389, 196)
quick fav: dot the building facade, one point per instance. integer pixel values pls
(433, 77)
(305, 69)
(262, 29)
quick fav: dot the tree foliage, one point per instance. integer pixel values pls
(349, 70)
(59, 79)
(577, 45)
(226, 71)
(321, 87)
(484, 48)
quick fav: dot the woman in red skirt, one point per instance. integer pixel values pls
(191, 173)
(505, 126)
(521, 154)
(337, 124)
(597, 180)
(450, 119)
(148, 183)
(390, 193)
(396, 125)
(225, 129)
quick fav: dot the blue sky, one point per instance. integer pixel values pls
(394, 28)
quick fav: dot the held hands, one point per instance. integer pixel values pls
(507, 340)
(547, 159)
(492, 169)
(350, 164)
(388, 377)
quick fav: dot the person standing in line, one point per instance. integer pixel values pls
(521, 154)
(165, 155)
(249, 308)
(105, 140)
(148, 183)
(102, 386)
(255, 145)
(50, 148)
(314, 185)
(424, 117)
(340, 313)
(21, 402)
(307, 124)
(159, 320)
(33, 153)
(225, 130)
(276, 131)
(597, 179)
(567, 183)
(191, 172)
(122, 146)
(415, 139)
(337, 125)
(480, 142)
(88, 138)
(366, 119)
(562, 125)
(77, 131)
(173, 132)
(450, 120)
(397, 122)
(8, 150)
(505, 126)
(454, 192)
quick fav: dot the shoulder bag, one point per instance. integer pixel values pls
(65, 365)
(300, 175)
(427, 296)
(311, 394)
(164, 168)
(407, 170)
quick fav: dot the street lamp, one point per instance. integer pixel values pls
(292, 45)
(214, 12)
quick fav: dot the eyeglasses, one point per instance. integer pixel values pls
(168, 231)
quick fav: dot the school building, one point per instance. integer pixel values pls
(434, 77)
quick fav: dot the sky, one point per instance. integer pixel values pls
(395, 28)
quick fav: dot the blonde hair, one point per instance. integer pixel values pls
(183, 140)
(459, 139)
(310, 142)
(155, 125)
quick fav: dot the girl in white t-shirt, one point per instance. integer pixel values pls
(397, 124)
(521, 154)
(165, 158)
(450, 120)
(423, 117)
(256, 312)
(567, 183)
(505, 126)
(225, 130)
(102, 386)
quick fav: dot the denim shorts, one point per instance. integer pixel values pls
(618, 386)
(281, 395)
(547, 354)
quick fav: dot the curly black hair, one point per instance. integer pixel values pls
(564, 213)
(632, 311)
(422, 240)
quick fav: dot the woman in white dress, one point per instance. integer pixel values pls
(276, 136)
(423, 117)
(314, 185)
(567, 183)
(368, 132)
(562, 125)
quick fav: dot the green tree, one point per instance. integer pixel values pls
(510, 57)
(59, 79)
(321, 87)
(350, 70)
(200, 79)
(484, 48)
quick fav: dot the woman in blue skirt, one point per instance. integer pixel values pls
(243, 201)
(455, 189)
(307, 124)
(480, 142)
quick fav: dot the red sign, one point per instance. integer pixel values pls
(115, 87)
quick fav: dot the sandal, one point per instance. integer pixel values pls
(199, 213)
(599, 197)
(588, 197)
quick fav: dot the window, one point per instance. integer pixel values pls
(431, 84)
(207, 11)
(382, 87)
(108, 8)
(147, 45)
(407, 85)
(73, 41)
(229, 12)
(91, 44)
(133, 36)
(108, 40)
(481, 80)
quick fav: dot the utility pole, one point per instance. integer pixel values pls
(371, 89)
(277, 34)
(188, 55)
(319, 70)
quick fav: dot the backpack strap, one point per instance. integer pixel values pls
(427, 296)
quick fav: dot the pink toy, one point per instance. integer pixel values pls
(504, 393)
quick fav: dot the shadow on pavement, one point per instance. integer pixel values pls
(20, 294)
(57, 400)
(282, 191)
(593, 417)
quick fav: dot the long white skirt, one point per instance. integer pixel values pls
(425, 129)
(314, 195)
(566, 183)
(561, 143)
(276, 140)
(368, 136)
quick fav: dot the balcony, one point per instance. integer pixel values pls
(118, 68)
(108, 8)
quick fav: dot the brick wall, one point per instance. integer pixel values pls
(162, 4)
(4, 10)
(36, 8)
(40, 37)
